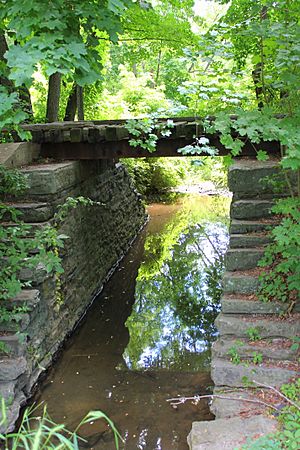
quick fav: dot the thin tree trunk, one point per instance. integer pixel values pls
(72, 104)
(80, 107)
(4, 80)
(158, 66)
(53, 97)
(258, 71)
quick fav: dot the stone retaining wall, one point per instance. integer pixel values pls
(99, 236)
(247, 326)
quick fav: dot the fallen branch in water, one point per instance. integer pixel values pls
(180, 400)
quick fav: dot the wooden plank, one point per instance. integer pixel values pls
(122, 149)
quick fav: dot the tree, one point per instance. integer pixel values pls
(63, 37)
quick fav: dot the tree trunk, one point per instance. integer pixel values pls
(75, 103)
(80, 108)
(4, 80)
(71, 105)
(53, 97)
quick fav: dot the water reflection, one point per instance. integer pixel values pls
(178, 291)
(120, 364)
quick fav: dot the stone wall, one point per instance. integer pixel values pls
(255, 340)
(99, 236)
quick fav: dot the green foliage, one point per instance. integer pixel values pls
(22, 247)
(39, 432)
(288, 437)
(4, 348)
(253, 334)
(146, 132)
(12, 182)
(257, 358)
(281, 280)
(234, 355)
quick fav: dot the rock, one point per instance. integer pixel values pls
(268, 348)
(228, 434)
(34, 212)
(249, 240)
(227, 406)
(247, 178)
(225, 373)
(239, 326)
(240, 226)
(251, 209)
(240, 284)
(242, 258)
(18, 154)
(12, 368)
(49, 179)
(239, 304)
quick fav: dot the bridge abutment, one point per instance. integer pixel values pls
(99, 236)
(255, 341)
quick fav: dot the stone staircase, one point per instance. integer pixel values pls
(255, 338)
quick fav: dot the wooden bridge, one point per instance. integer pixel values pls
(110, 140)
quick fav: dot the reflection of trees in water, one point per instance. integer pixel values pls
(177, 296)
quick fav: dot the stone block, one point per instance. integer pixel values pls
(240, 226)
(34, 212)
(12, 414)
(27, 297)
(277, 349)
(227, 406)
(249, 240)
(240, 283)
(242, 258)
(225, 373)
(18, 154)
(16, 346)
(12, 368)
(246, 177)
(235, 304)
(267, 327)
(49, 179)
(228, 434)
(251, 209)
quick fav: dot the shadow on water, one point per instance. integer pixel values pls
(147, 337)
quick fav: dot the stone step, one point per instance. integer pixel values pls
(243, 258)
(239, 226)
(225, 373)
(16, 346)
(12, 368)
(229, 434)
(27, 297)
(247, 178)
(249, 304)
(233, 402)
(240, 283)
(277, 349)
(49, 179)
(262, 326)
(249, 240)
(34, 276)
(251, 209)
(33, 212)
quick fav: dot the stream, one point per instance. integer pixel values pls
(147, 336)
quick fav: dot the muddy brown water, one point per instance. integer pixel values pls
(147, 336)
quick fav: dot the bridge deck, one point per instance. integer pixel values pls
(110, 140)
